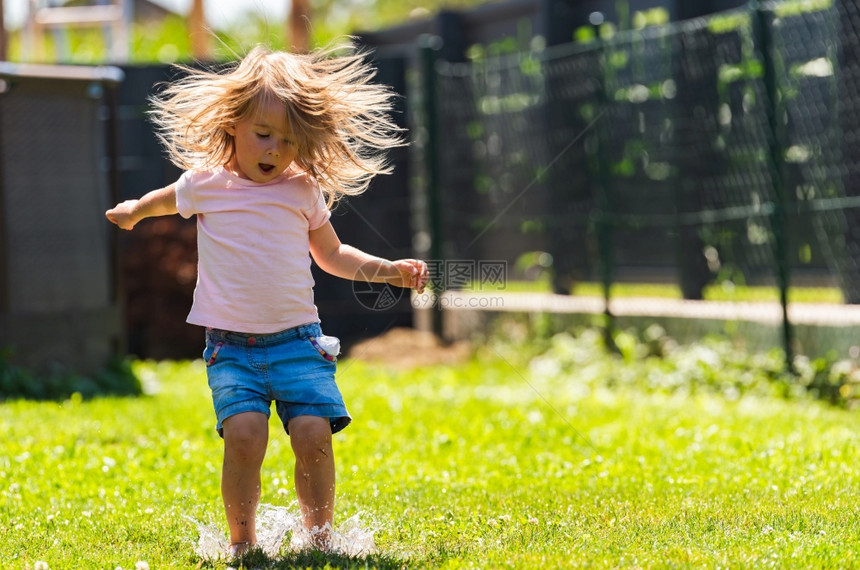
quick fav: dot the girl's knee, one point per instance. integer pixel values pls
(310, 437)
(246, 435)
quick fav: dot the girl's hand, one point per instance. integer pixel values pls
(161, 202)
(413, 274)
(123, 214)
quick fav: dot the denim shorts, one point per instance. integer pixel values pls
(247, 372)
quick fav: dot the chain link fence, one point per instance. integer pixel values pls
(717, 156)
(59, 295)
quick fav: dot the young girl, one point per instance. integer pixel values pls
(268, 147)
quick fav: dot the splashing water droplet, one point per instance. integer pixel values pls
(211, 544)
(274, 524)
(350, 539)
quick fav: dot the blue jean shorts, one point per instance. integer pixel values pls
(247, 372)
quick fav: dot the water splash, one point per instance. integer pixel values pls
(211, 545)
(275, 524)
(351, 539)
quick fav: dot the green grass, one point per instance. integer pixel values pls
(717, 292)
(553, 458)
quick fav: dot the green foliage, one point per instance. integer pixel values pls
(116, 378)
(535, 266)
(332, 20)
(251, 30)
(652, 362)
(652, 17)
(729, 22)
(796, 7)
(166, 42)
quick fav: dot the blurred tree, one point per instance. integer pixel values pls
(299, 25)
(4, 42)
(334, 18)
(178, 38)
(201, 38)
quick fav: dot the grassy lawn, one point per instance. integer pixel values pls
(503, 461)
(718, 292)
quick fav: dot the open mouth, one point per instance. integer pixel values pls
(266, 168)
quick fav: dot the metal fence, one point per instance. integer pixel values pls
(59, 296)
(720, 150)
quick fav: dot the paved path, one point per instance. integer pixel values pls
(819, 314)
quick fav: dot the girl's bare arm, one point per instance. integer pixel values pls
(348, 262)
(161, 202)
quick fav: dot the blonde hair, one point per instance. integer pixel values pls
(338, 116)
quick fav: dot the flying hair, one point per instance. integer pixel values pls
(338, 116)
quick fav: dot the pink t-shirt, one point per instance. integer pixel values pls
(254, 265)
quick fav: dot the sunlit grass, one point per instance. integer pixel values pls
(504, 461)
(717, 292)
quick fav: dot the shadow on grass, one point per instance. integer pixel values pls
(57, 383)
(312, 559)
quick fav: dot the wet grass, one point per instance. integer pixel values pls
(508, 461)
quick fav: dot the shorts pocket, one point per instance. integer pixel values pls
(327, 346)
(210, 355)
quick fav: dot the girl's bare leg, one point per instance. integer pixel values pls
(310, 437)
(245, 438)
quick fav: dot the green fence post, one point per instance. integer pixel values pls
(763, 23)
(695, 70)
(603, 195)
(848, 81)
(428, 47)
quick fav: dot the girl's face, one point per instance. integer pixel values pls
(264, 143)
